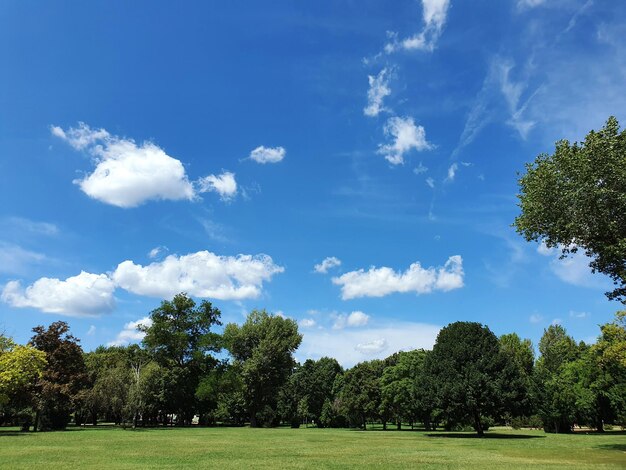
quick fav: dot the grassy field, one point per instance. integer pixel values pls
(239, 448)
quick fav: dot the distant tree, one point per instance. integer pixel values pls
(58, 390)
(263, 347)
(20, 367)
(400, 400)
(576, 198)
(555, 380)
(360, 395)
(472, 376)
(520, 353)
(181, 340)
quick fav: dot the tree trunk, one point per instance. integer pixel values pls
(478, 425)
(399, 424)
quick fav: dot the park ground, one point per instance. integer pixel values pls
(110, 447)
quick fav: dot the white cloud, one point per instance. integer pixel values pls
(535, 318)
(372, 347)
(405, 136)
(524, 4)
(430, 182)
(452, 172)
(224, 184)
(420, 168)
(557, 321)
(263, 154)
(350, 346)
(574, 269)
(307, 323)
(512, 92)
(157, 251)
(434, 13)
(130, 333)
(25, 225)
(378, 90)
(91, 331)
(201, 274)
(378, 282)
(328, 263)
(16, 260)
(580, 315)
(127, 174)
(83, 295)
(354, 319)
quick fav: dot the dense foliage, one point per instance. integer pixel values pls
(576, 198)
(471, 378)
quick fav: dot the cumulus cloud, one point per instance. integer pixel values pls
(263, 154)
(378, 90)
(328, 263)
(127, 174)
(350, 346)
(130, 332)
(224, 184)
(83, 295)
(378, 282)
(404, 136)
(434, 14)
(307, 323)
(201, 274)
(354, 319)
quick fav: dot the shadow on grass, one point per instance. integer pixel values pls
(12, 433)
(618, 447)
(458, 435)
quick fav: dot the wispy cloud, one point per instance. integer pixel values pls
(326, 264)
(378, 90)
(224, 184)
(434, 13)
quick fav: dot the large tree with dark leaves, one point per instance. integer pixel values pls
(58, 390)
(181, 340)
(473, 377)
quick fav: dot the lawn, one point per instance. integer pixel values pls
(106, 447)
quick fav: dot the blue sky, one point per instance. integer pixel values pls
(349, 164)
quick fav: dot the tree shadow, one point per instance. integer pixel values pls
(458, 435)
(618, 447)
(13, 433)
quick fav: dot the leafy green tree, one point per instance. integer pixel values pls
(263, 347)
(576, 198)
(20, 367)
(181, 340)
(472, 376)
(58, 390)
(360, 395)
(399, 387)
(555, 380)
(520, 353)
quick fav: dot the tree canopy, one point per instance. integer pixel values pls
(576, 198)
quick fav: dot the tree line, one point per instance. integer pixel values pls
(470, 379)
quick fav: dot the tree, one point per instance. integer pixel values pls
(520, 353)
(181, 340)
(63, 379)
(555, 379)
(360, 395)
(471, 374)
(20, 367)
(576, 198)
(263, 347)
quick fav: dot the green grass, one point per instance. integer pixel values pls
(106, 447)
